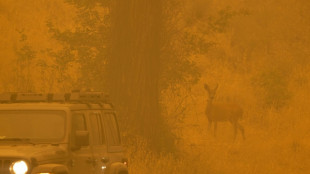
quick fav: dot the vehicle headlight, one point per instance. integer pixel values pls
(19, 167)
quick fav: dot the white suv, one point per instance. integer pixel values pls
(59, 134)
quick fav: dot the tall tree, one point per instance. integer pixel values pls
(25, 56)
(134, 66)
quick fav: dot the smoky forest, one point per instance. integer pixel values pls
(200, 86)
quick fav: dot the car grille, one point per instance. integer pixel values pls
(5, 166)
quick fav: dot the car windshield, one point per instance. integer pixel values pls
(32, 125)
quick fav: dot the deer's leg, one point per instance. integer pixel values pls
(241, 130)
(235, 129)
(215, 127)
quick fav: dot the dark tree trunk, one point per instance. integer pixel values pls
(134, 67)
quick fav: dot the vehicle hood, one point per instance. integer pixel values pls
(38, 153)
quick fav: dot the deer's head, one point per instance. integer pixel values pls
(211, 92)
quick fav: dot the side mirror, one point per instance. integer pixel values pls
(81, 138)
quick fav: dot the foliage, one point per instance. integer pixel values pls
(84, 45)
(25, 56)
(274, 87)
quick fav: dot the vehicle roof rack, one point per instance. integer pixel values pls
(89, 96)
(74, 97)
(33, 97)
(56, 97)
(5, 97)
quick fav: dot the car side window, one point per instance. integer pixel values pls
(97, 128)
(112, 129)
(79, 123)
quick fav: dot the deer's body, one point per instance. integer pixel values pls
(223, 112)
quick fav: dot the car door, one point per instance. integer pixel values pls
(99, 145)
(81, 157)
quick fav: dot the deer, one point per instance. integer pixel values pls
(223, 112)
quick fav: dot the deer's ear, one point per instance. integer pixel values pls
(207, 87)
